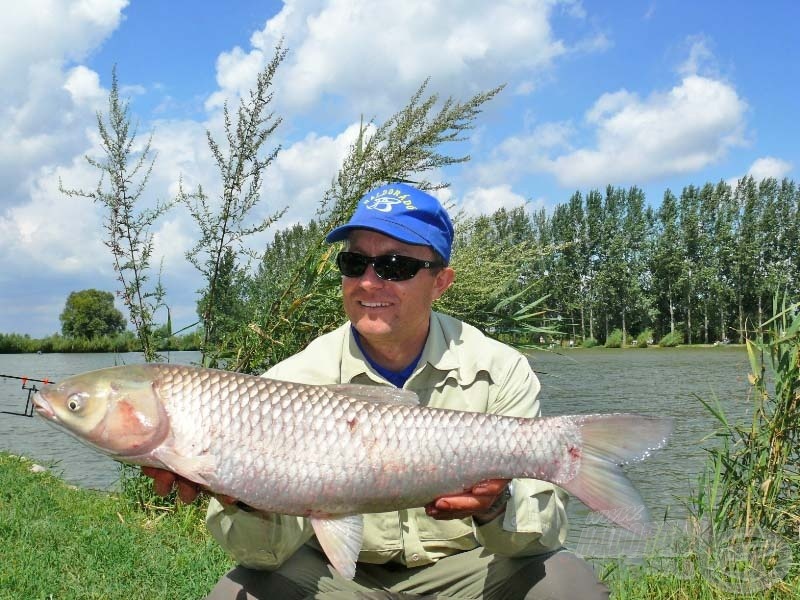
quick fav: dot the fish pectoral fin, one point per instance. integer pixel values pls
(375, 393)
(340, 538)
(193, 468)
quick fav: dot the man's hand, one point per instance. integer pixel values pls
(188, 491)
(165, 481)
(475, 502)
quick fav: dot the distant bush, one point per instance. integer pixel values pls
(672, 339)
(14, 343)
(614, 339)
(644, 339)
(589, 342)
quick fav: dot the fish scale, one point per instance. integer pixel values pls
(331, 453)
(359, 440)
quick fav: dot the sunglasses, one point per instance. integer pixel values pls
(390, 267)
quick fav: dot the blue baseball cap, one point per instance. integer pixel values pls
(403, 213)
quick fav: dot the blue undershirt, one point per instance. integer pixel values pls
(396, 378)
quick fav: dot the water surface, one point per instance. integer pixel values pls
(652, 381)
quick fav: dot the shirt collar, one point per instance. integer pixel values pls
(442, 352)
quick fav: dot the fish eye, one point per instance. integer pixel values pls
(75, 402)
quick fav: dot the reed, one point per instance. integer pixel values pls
(747, 505)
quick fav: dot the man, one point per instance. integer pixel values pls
(493, 541)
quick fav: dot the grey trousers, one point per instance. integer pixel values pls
(476, 574)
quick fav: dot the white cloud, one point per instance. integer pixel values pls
(47, 105)
(50, 32)
(637, 140)
(303, 172)
(462, 46)
(701, 59)
(521, 154)
(52, 232)
(769, 166)
(84, 87)
(487, 200)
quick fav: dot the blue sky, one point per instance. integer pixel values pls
(654, 94)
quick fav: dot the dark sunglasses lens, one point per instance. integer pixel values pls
(396, 268)
(388, 267)
(351, 264)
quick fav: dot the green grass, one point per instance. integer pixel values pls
(646, 582)
(65, 543)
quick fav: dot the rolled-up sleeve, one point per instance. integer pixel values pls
(535, 521)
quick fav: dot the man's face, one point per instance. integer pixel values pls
(391, 311)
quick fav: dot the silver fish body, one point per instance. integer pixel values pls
(327, 452)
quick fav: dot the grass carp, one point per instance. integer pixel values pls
(333, 452)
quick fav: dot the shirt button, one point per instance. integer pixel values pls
(414, 557)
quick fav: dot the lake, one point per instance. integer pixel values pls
(651, 381)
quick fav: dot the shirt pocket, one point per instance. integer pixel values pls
(381, 532)
(433, 530)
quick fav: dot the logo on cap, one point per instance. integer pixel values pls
(389, 199)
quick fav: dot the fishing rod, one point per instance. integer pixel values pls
(32, 389)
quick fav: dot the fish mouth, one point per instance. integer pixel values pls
(43, 407)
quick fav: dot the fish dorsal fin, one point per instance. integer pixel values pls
(376, 393)
(340, 538)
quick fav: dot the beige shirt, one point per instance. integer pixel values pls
(460, 369)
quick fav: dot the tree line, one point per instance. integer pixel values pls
(704, 266)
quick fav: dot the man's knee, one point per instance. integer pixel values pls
(562, 576)
(242, 583)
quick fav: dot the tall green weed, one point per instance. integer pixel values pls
(748, 501)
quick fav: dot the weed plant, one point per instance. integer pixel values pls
(589, 342)
(747, 507)
(614, 339)
(644, 339)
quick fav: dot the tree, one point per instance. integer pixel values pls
(124, 172)
(90, 314)
(747, 257)
(225, 224)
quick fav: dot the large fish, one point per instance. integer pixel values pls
(333, 452)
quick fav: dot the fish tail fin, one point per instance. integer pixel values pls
(609, 441)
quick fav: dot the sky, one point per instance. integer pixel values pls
(655, 94)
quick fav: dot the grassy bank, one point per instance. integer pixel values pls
(64, 543)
